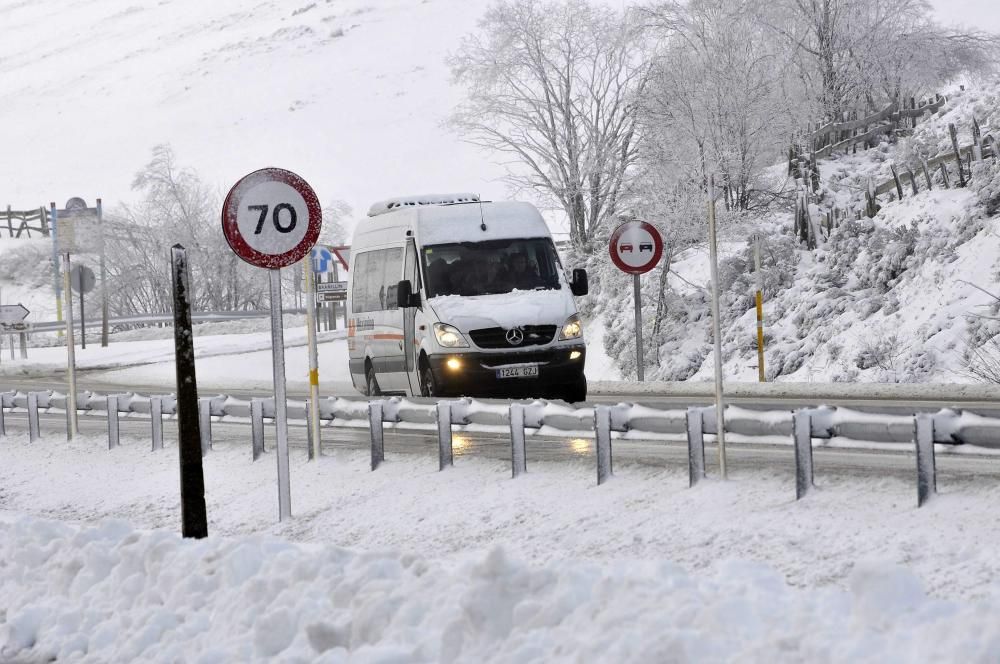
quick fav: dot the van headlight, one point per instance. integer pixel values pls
(572, 328)
(449, 337)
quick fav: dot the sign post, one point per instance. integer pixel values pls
(308, 267)
(271, 219)
(720, 406)
(636, 247)
(82, 281)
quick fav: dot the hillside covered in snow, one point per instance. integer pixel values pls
(906, 296)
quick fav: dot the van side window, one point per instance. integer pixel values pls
(376, 278)
(392, 262)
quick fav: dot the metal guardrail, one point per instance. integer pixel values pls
(149, 319)
(951, 426)
(947, 426)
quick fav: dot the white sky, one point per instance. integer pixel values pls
(982, 14)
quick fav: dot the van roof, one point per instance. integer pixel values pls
(393, 204)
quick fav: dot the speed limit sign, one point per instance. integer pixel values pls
(271, 218)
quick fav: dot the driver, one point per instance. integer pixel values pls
(520, 273)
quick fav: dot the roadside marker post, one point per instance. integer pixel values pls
(194, 516)
(272, 219)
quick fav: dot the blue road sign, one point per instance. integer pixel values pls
(322, 260)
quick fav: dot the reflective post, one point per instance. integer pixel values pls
(71, 428)
(313, 411)
(720, 406)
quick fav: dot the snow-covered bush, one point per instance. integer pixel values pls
(986, 184)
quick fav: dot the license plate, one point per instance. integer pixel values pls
(518, 372)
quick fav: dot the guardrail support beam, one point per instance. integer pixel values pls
(375, 426)
(923, 438)
(112, 421)
(802, 441)
(156, 421)
(33, 429)
(518, 456)
(602, 431)
(446, 453)
(257, 427)
(205, 424)
(696, 447)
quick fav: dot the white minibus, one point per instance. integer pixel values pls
(452, 296)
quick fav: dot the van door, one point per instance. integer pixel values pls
(411, 271)
(390, 337)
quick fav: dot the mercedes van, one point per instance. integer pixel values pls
(452, 296)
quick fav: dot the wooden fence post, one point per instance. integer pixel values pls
(895, 177)
(944, 175)
(958, 154)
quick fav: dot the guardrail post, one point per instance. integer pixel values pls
(112, 421)
(802, 440)
(696, 447)
(923, 437)
(602, 431)
(257, 427)
(205, 424)
(33, 430)
(375, 426)
(446, 454)
(3, 428)
(156, 420)
(518, 457)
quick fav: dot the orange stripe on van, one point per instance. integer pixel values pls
(387, 337)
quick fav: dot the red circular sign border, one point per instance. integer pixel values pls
(657, 247)
(232, 232)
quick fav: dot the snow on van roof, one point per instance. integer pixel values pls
(503, 220)
(393, 204)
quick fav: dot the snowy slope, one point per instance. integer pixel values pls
(349, 93)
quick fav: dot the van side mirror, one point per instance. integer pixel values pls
(579, 285)
(405, 297)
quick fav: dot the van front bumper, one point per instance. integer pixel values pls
(559, 369)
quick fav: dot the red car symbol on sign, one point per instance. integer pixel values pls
(625, 247)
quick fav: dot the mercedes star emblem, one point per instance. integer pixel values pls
(515, 336)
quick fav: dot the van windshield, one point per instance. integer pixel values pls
(491, 267)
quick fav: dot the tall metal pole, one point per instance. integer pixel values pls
(720, 406)
(70, 351)
(57, 278)
(638, 327)
(280, 403)
(194, 518)
(104, 277)
(313, 358)
(760, 309)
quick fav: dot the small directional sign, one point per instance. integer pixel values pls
(340, 296)
(332, 287)
(12, 313)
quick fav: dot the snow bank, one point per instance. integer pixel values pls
(109, 592)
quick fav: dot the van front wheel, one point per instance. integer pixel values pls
(427, 386)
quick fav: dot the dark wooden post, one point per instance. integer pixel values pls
(194, 518)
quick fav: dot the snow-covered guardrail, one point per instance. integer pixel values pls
(946, 426)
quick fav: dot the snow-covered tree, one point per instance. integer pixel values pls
(554, 85)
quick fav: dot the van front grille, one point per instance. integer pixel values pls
(498, 337)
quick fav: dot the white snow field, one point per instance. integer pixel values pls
(410, 564)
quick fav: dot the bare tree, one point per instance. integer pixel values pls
(716, 101)
(554, 85)
(176, 206)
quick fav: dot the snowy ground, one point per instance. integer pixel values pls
(408, 564)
